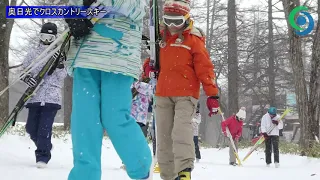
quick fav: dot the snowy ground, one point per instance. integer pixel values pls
(17, 163)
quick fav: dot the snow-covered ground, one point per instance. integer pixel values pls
(17, 163)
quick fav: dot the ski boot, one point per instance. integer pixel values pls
(41, 165)
(277, 165)
(268, 165)
(197, 160)
(233, 164)
(156, 168)
(123, 167)
(185, 174)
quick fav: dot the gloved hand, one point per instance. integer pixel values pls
(80, 27)
(275, 122)
(153, 74)
(213, 105)
(236, 139)
(29, 80)
(88, 2)
(225, 134)
(265, 135)
(62, 59)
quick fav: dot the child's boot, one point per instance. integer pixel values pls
(156, 168)
(185, 174)
(233, 163)
(41, 164)
(123, 167)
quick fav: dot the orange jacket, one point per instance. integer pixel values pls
(184, 66)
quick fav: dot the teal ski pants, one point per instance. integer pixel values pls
(102, 100)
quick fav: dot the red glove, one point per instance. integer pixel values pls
(275, 122)
(213, 105)
(236, 139)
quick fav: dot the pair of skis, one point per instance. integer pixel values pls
(154, 29)
(48, 68)
(261, 138)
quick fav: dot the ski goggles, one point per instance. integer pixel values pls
(47, 37)
(174, 20)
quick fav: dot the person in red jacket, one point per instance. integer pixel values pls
(234, 124)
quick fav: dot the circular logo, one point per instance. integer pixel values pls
(301, 27)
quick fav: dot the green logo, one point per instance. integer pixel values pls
(301, 21)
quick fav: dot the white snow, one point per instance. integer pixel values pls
(17, 162)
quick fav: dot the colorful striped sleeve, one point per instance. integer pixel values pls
(134, 9)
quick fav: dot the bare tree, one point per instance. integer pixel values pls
(67, 99)
(5, 33)
(314, 86)
(306, 115)
(232, 59)
(271, 73)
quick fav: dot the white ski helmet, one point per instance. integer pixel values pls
(242, 113)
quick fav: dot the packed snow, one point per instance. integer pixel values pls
(17, 162)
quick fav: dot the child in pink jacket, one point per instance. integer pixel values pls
(140, 104)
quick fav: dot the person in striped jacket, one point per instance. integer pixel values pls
(104, 60)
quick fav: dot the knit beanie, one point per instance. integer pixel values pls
(177, 7)
(242, 113)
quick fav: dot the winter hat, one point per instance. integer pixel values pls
(178, 7)
(242, 113)
(272, 111)
(49, 28)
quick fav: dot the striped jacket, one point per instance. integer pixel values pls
(114, 44)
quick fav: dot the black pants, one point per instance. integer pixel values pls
(154, 145)
(196, 145)
(272, 143)
(39, 126)
(154, 140)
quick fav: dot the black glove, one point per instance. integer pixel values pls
(29, 80)
(62, 59)
(80, 27)
(275, 122)
(88, 3)
(265, 135)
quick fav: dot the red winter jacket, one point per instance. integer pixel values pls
(235, 126)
